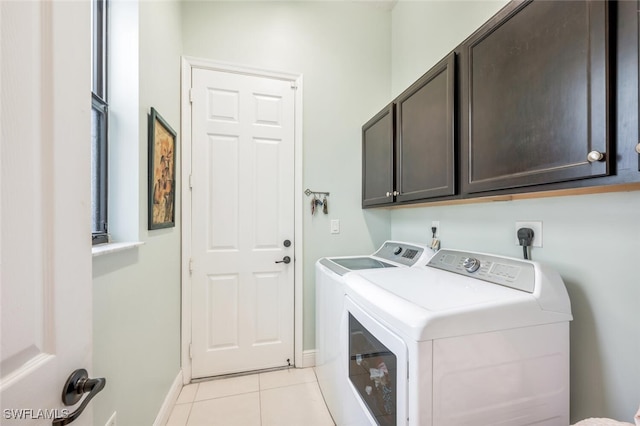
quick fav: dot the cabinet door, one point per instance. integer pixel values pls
(377, 159)
(425, 135)
(627, 88)
(535, 96)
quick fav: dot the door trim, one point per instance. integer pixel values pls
(188, 64)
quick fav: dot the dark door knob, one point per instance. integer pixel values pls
(78, 384)
(285, 259)
(287, 243)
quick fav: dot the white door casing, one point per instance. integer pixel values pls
(45, 248)
(242, 211)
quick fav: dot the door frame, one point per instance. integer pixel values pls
(188, 64)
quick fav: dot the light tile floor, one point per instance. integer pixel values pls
(278, 398)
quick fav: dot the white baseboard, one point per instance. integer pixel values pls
(309, 358)
(170, 400)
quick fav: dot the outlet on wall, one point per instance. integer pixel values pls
(112, 420)
(435, 224)
(536, 225)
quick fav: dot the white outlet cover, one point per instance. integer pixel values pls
(335, 226)
(536, 225)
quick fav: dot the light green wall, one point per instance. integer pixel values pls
(592, 240)
(342, 49)
(423, 32)
(137, 292)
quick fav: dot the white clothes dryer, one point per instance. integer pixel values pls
(470, 339)
(330, 343)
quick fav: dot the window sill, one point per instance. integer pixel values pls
(102, 249)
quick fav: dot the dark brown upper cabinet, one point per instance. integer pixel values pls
(408, 148)
(535, 96)
(378, 159)
(627, 37)
(425, 132)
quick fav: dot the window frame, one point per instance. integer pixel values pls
(100, 121)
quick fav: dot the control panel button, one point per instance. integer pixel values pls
(397, 250)
(471, 264)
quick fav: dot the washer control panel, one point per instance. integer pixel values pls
(405, 254)
(514, 273)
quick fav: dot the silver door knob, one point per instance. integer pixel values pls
(638, 148)
(594, 156)
(285, 259)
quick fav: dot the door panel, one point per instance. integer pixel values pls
(223, 184)
(267, 154)
(242, 211)
(45, 248)
(222, 310)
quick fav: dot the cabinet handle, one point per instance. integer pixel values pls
(396, 193)
(638, 148)
(388, 194)
(594, 156)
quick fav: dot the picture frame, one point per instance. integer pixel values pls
(162, 172)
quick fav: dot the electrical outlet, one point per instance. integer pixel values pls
(536, 225)
(436, 224)
(112, 420)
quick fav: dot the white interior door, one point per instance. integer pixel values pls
(242, 217)
(45, 248)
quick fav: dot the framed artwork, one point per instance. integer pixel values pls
(162, 172)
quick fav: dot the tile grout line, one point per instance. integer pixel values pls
(191, 405)
(189, 415)
(260, 397)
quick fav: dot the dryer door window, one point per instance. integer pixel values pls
(373, 373)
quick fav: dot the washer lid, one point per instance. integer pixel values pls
(391, 254)
(344, 265)
(426, 304)
(359, 263)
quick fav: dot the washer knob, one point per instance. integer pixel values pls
(397, 250)
(471, 264)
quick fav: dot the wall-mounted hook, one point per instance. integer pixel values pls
(308, 192)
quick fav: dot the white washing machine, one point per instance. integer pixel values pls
(330, 343)
(470, 339)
